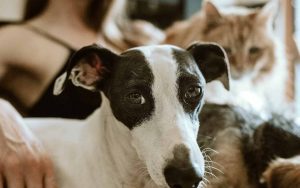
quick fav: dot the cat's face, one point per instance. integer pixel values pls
(245, 35)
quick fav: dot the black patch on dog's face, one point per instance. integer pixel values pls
(189, 78)
(130, 77)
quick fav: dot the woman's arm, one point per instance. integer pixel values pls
(23, 160)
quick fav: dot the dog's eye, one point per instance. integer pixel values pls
(193, 94)
(136, 98)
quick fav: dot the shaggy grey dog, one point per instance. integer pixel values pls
(242, 150)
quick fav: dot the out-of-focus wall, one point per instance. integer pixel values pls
(192, 6)
(297, 18)
(11, 10)
(297, 36)
(297, 88)
(239, 2)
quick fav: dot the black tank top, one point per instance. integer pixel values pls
(74, 102)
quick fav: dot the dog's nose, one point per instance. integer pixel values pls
(182, 177)
(180, 172)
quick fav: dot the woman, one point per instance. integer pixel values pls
(37, 51)
(32, 54)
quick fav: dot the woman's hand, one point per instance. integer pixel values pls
(23, 161)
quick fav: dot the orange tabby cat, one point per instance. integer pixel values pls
(258, 66)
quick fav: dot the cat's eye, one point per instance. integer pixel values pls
(193, 94)
(254, 50)
(135, 98)
(228, 50)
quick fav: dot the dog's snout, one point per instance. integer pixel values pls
(181, 177)
(180, 172)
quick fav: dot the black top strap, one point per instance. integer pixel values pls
(49, 36)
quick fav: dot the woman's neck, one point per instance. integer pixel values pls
(70, 12)
(64, 19)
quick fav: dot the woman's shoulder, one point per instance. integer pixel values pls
(14, 37)
(21, 40)
(14, 31)
(20, 34)
(10, 28)
(11, 39)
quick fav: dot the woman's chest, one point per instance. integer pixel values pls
(33, 73)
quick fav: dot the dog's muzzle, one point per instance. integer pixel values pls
(180, 171)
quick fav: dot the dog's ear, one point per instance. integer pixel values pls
(212, 61)
(87, 68)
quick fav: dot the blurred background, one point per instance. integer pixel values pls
(163, 13)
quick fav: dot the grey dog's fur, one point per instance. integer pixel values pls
(242, 145)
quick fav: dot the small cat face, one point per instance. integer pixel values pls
(246, 35)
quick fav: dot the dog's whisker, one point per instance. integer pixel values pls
(210, 150)
(205, 180)
(208, 157)
(204, 183)
(210, 162)
(208, 165)
(215, 163)
(212, 174)
(217, 169)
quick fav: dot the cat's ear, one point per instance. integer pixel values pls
(87, 68)
(212, 62)
(211, 11)
(267, 14)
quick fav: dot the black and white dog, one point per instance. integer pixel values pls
(145, 133)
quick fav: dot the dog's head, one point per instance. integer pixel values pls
(157, 93)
